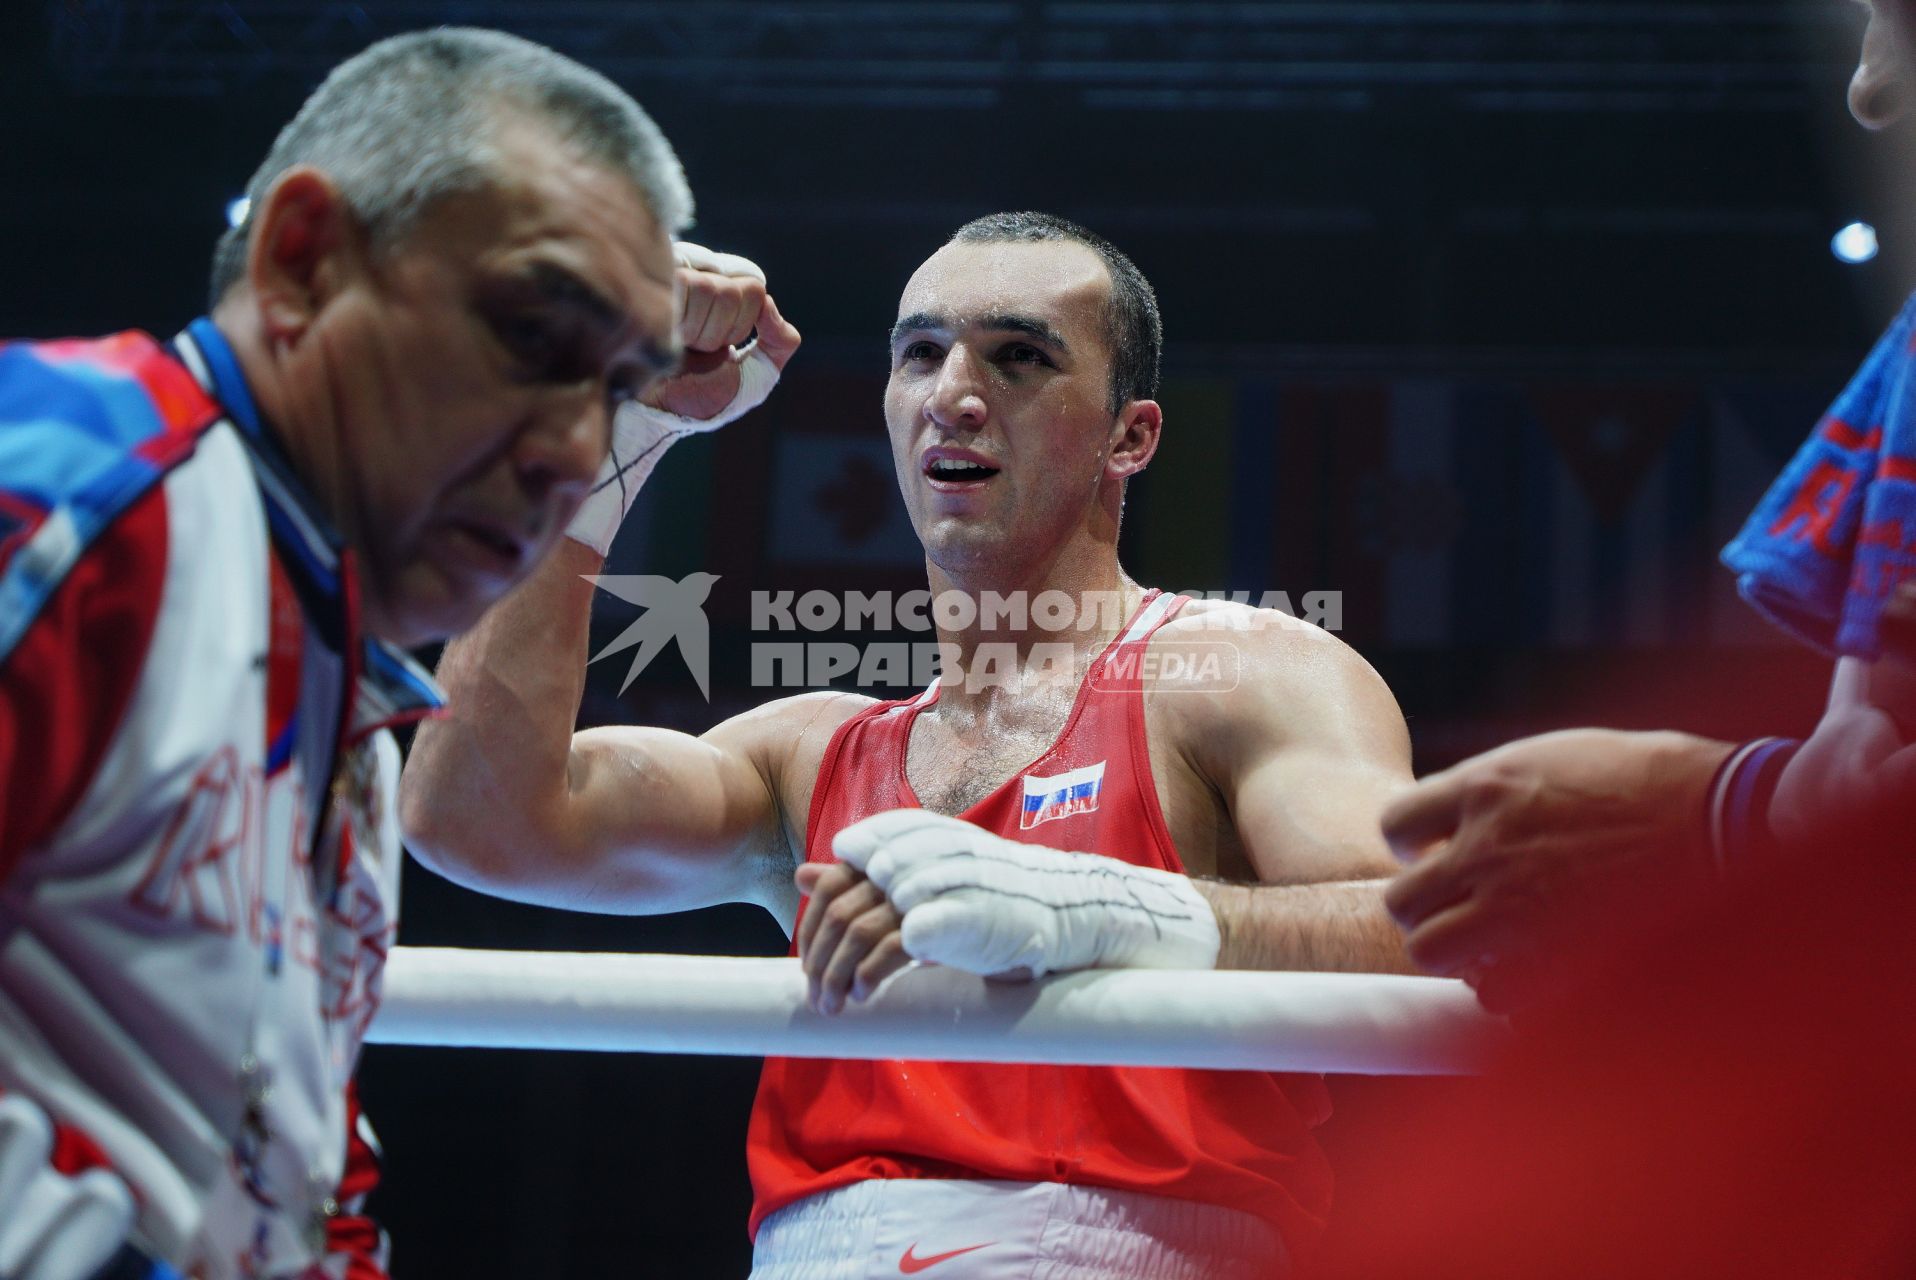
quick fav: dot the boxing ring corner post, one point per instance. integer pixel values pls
(1367, 1024)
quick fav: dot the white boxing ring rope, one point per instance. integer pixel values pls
(1369, 1024)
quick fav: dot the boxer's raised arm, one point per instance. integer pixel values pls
(500, 794)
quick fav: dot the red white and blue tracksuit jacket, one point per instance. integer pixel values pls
(199, 856)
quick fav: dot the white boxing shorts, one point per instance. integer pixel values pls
(950, 1230)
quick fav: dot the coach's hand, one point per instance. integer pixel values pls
(1892, 678)
(53, 1226)
(1533, 860)
(1851, 787)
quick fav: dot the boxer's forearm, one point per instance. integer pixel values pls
(487, 782)
(1337, 927)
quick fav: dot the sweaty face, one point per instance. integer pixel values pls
(998, 404)
(471, 372)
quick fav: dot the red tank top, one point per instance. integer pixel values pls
(1235, 1138)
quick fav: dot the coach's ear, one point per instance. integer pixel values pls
(1134, 438)
(304, 242)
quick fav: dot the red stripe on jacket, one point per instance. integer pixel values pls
(66, 685)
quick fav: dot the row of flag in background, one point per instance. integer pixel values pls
(1483, 511)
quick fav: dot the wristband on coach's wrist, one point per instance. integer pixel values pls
(1739, 805)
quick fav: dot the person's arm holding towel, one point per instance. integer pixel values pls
(1535, 864)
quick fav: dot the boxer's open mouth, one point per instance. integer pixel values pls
(959, 471)
(956, 468)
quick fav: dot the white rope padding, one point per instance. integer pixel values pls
(1367, 1024)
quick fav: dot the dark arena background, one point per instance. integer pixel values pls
(1494, 318)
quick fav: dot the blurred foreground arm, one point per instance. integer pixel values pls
(1530, 856)
(1851, 788)
(1534, 860)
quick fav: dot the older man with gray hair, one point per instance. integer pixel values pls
(457, 264)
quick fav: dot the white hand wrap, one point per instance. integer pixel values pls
(699, 258)
(976, 901)
(53, 1227)
(642, 434)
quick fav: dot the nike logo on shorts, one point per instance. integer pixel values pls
(911, 1264)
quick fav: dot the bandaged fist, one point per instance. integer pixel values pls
(723, 301)
(979, 902)
(53, 1226)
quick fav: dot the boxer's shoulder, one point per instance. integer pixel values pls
(802, 716)
(787, 740)
(791, 735)
(1266, 650)
(1238, 669)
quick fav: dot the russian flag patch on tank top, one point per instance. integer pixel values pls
(1062, 795)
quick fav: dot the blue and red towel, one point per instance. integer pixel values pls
(1836, 533)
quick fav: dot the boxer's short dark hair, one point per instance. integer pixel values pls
(1133, 329)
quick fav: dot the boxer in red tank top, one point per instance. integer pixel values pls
(1024, 362)
(1240, 1139)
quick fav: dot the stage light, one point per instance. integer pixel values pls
(238, 206)
(1854, 243)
